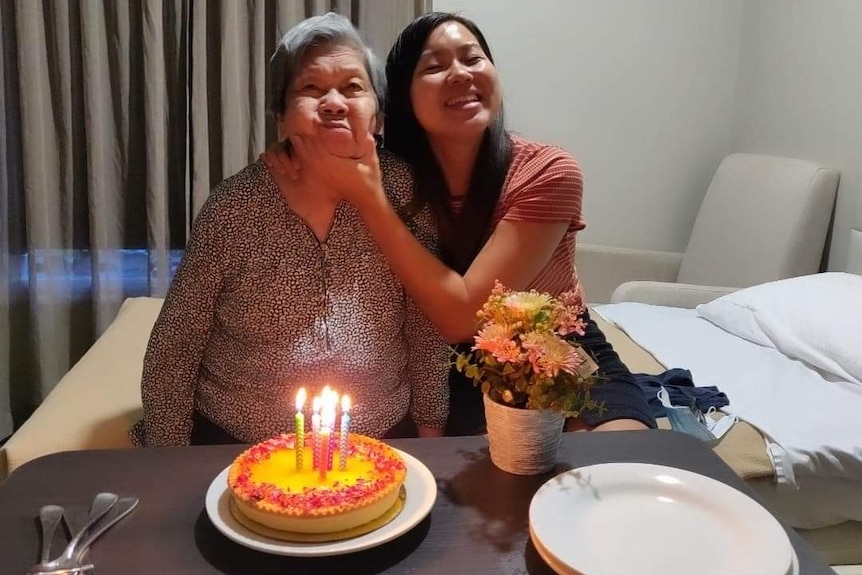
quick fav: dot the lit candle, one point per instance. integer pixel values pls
(325, 434)
(329, 416)
(345, 430)
(299, 425)
(315, 432)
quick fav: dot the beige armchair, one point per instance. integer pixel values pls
(763, 218)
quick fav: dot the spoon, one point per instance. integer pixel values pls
(49, 518)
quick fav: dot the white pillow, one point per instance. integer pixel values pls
(816, 319)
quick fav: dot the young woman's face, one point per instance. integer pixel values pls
(332, 99)
(455, 90)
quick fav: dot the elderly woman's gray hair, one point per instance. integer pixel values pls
(329, 29)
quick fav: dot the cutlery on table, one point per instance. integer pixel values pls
(72, 564)
(76, 519)
(67, 561)
(49, 518)
(124, 506)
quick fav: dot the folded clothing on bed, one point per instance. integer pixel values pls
(680, 389)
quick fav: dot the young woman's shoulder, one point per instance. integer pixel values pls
(541, 168)
(532, 155)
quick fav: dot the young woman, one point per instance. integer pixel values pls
(507, 208)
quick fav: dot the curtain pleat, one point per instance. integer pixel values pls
(43, 181)
(117, 119)
(200, 142)
(7, 174)
(164, 131)
(105, 43)
(156, 136)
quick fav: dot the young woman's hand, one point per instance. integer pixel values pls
(357, 177)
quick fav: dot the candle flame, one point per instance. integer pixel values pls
(345, 403)
(330, 401)
(316, 403)
(300, 399)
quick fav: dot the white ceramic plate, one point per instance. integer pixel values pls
(421, 491)
(650, 519)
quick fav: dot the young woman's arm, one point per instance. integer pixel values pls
(514, 254)
(625, 407)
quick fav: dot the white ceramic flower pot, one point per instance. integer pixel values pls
(523, 441)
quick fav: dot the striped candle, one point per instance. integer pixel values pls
(315, 433)
(325, 434)
(328, 414)
(299, 428)
(345, 431)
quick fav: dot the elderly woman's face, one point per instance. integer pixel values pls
(332, 99)
(455, 90)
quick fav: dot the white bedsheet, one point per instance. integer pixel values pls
(814, 425)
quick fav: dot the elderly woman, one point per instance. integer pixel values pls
(282, 286)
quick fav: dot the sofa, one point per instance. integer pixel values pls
(97, 401)
(95, 404)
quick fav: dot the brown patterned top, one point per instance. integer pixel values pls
(260, 307)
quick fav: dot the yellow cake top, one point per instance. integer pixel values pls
(266, 475)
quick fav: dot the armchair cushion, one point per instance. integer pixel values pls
(603, 268)
(95, 404)
(668, 294)
(763, 218)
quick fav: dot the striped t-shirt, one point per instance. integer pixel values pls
(544, 185)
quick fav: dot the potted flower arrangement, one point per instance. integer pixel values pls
(531, 372)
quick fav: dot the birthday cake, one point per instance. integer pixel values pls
(269, 487)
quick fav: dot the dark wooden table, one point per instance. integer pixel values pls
(478, 524)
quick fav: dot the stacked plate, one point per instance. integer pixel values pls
(619, 518)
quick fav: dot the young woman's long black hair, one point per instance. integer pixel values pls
(464, 235)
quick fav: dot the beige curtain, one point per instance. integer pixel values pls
(117, 118)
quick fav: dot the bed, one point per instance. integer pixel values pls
(789, 356)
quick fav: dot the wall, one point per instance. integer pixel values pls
(641, 92)
(800, 94)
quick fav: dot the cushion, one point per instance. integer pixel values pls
(813, 318)
(99, 399)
